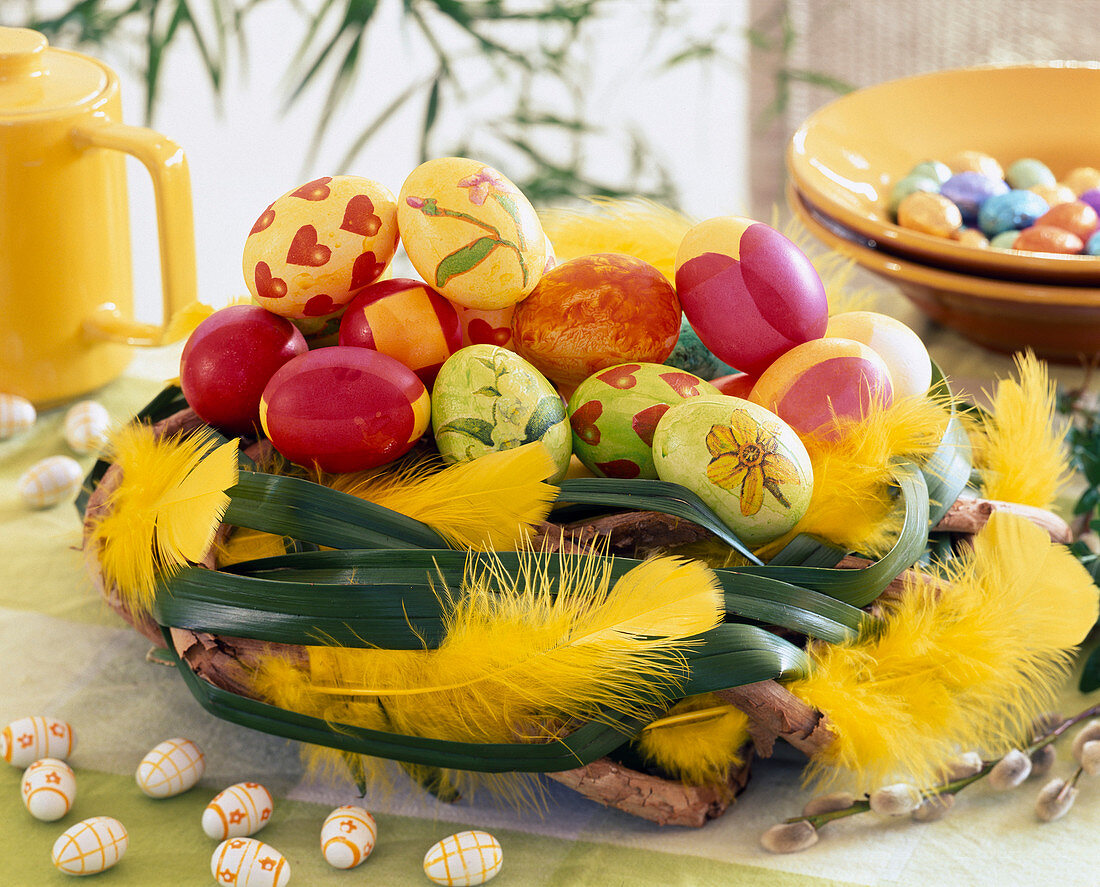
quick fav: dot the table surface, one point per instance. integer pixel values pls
(64, 654)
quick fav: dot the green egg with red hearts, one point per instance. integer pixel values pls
(613, 414)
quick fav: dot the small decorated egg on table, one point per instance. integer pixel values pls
(746, 463)
(85, 426)
(614, 413)
(348, 836)
(246, 862)
(487, 399)
(900, 348)
(46, 483)
(16, 414)
(171, 768)
(314, 247)
(594, 312)
(748, 291)
(470, 233)
(464, 859)
(240, 810)
(91, 846)
(49, 789)
(25, 740)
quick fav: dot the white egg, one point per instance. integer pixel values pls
(50, 481)
(26, 740)
(171, 768)
(86, 425)
(16, 414)
(240, 810)
(91, 846)
(246, 862)
(464, 859)
(348, 836)
(48, 789)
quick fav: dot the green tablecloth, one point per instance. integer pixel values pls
(64, 654)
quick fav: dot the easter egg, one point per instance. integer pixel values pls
(748, 291)
(487, 398)
(407, 320)
(977, 161)
(692, 356)
(228, 360)
(1028, 172)
(1082, 178)
(170, 768)
(52, 480)
(1092, 245)
(348, 836)
(969, 190)
(735, 384)
(1012, 210)
(594, 312)
(91, 846)
(817, 384)
(26, 740)
(464, 859)
(1054, 194)
(246, 862)
(614, 413)
(934, 169)
(491, 326)
(313, 248)
(1004, 240)
(85, 426)
(1077, 217)
(911, 184)
(344, 409)
(470, 233)
(1048, 239)
(16, 414)
(930, 214)
(743, 461)
(240, 810)
(900, 348)
(49, 789)
(971, 237)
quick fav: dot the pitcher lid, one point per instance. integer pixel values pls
(38, 79)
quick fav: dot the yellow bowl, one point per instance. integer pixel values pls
(1060, 323)
(847, 156)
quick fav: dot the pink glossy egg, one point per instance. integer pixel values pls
(407, 320)
(748, 291)
(817, 384)
(344, 409)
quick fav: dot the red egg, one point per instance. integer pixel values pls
(735, 384)
(814, 382)
(407, 320)
(344, 409)
(228, 360)
(1048, 239)
(748, 291)
(1076, 217)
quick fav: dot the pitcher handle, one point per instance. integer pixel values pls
(167, 167)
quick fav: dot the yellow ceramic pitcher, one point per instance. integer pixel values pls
(66, 281)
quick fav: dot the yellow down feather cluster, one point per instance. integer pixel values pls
(698, 741)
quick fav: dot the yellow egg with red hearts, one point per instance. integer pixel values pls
(344, 409)
(470, 233)
(595, 312)
(900, 348)
(745, 462)
(486, 326)
(314, 247)
(823, 386)
(407, 320)
(748, 291)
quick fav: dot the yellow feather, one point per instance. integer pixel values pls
(245, 544)
(184, 321)
(1021, 453)
(493, 501)
(164, 512)
(698, 741)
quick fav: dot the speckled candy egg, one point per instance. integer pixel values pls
(748, 291)
(25, 740)
(900, 348)
(930, 214)
(470, 233)
(817, 384)
(594, 312)
(1048, 239)
(407, 320)
(344, 409)
(348, 835)
(491, 326)
(49, 789)
(464, 859)
(1077, 217)
(1082, 178)
(1027, 172)
(314, 247)
(614, 413)
(16, 414)
(976, 161)
(170, 768)
(969, 190)
(246, 862)
(1012, 210)
(743, 461)
(910, 184)
(91, 846)
(488, 398)
(240, 810)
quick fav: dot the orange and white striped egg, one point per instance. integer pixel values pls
(86, 425)
(348, 836)
(16, 414)
(54, 479)
(240, 810)
(246, 862)
(26, 740)
(464, 859)
(171, 768)
(90, 846)
(48, 789)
